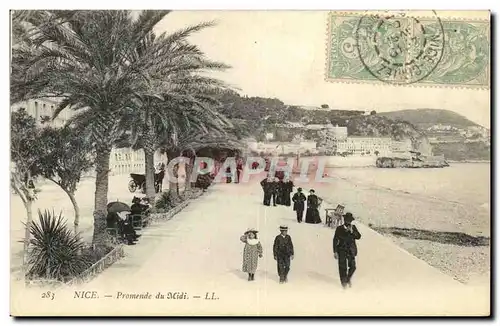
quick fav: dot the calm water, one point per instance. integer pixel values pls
(467, 183)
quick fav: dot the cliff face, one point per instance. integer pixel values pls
(423, 146)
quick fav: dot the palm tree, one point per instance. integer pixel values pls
(84, 58)
(177, 94)
(184, 105)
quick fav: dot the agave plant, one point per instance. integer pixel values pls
(165, 202)
(55, 251)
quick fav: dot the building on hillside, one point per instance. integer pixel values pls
(297, 139)
(402, 146)
(333, 133)
(311, 108)
(315, 127)
(295, 124)
(365, 145)
(446, 139)
(476, 131)
(441, 127)
(283, 148)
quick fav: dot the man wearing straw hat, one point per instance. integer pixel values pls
(345, 249)
(283, 253)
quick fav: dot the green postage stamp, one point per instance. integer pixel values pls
(397, 48)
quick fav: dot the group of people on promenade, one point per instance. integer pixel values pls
(239, 171)
(344, 251)
(279, 191)
(313, 203)
(344, 240)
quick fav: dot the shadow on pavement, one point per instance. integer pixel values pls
(238, 273)
(321, 277)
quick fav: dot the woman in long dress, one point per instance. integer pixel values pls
(251, 253)
(312, 213)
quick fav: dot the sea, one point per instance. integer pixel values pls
(464, 183)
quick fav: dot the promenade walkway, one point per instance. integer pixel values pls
(199, 252)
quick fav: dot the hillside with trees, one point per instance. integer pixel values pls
(266, 115)
(424, 118)
(258, 116)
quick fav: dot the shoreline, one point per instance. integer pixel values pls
(470, 161)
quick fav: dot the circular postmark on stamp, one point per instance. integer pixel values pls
(399, 49)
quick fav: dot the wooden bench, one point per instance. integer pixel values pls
(140, 221)
(334, 216)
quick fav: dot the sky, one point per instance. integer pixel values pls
(282, 54)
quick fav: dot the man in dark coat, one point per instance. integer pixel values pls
(283, 253)
(275, 189)
(280, 187)
(267, 188)
(345, 249)
(286, 191)
(298, 204)
(159, 177)
(239, 169)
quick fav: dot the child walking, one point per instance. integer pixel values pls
(251, 253)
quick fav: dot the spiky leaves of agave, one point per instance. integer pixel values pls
(55, 251)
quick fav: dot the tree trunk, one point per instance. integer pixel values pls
(72, 198)
(173, 185)
(149, 156)
(22, 190)
(100, 236)
(27, 233)
(189, 173)
(76, 222)
(176, 175)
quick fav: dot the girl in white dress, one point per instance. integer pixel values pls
(251, 253)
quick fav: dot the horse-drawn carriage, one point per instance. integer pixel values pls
(139, 182)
